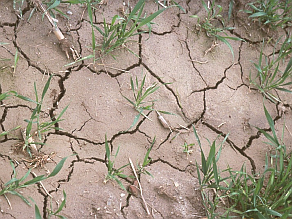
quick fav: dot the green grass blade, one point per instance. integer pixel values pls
(149, 18)
(55, 4)
(23, 97)
(37, 212)
(33, 181)
(20, 196)
(62, 204)
(136, 119)
(131, 102)
(258, 14)
(146, 158)
(203, 158)
(107, 149)
(271, 124)
(46, 87)
(288, 67)
(231, 4)
(59, 166)
(137, 7)
(120, 183)
(226, 42)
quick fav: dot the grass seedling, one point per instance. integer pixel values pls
(139, 102)
(210, 179)
(17, 6)
(118, 32)
(214, 14)
(266, 195)
(269, 77)
(188, 148)
(146, 161)
(50, 211)
(16, 58)
(15, 184)
(269, 195)
(113, 173)
(273, 13)
(41, 127)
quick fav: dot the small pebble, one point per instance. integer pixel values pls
(69, 12)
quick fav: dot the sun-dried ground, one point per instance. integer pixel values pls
(211, 92)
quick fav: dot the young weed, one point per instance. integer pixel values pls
(146, 161)
(113, 173)
(269, 77)
(17, 6)
(53, 5)
(16, 58)
(15, 184)
(139, 98)
(273, 13)
(50, 211)
(42, 127)
(266, 195)
(211, 178)
(214, 14)
(188, 148)
(119, 30)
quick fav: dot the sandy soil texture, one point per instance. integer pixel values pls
(201, 84)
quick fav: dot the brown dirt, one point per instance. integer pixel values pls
(215, 97)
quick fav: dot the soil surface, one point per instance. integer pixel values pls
(203, 85)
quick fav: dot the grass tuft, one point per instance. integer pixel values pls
(266, 195)
(269, 77)
(219, 33)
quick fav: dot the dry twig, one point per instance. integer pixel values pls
(65, 44)
(140, 187)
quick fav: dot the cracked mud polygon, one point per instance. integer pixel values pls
(208, 90)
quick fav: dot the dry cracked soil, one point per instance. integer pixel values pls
(210, 90)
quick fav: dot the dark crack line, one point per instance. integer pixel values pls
(172, 26)
(59, 132)
(166, 86)
(165, 140)
(168, 163)
(232, 144)
(254, 137)
(193, 64)
(130, 131)
(125, 206)
(149, 139)
(217, 83)
(202, 114)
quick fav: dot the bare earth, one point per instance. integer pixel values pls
(211, 92)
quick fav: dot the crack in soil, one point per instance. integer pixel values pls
(232, 144)
(92, 160)
(167, 87)
(168, 163)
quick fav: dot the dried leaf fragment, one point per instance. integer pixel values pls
(163, 121)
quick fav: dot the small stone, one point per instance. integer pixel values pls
(123, 195)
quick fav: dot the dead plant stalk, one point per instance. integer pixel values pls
(140, 187)
(65, 45)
